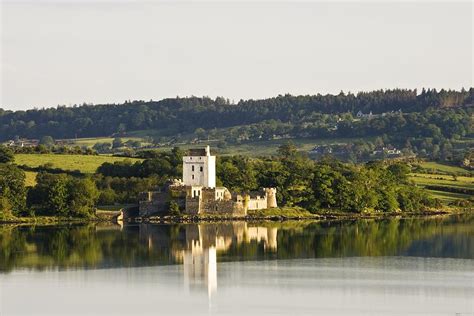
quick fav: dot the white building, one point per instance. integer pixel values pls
(199, 168)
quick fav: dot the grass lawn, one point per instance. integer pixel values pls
(83, 163)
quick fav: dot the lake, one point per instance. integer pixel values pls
(413, 266)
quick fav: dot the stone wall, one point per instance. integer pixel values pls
(193, 205)
(257, 203)
(226, 206)
(153, 203)
(157, 203)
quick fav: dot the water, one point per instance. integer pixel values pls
(366, 267)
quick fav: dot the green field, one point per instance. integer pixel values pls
(430, 165)
(444, 181)
(30, 180)
(83, 163)
(89, 142)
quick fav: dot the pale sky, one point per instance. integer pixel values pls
(101, 51)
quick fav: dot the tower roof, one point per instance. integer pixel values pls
(206, 151)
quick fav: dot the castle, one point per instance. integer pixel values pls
(197, 192)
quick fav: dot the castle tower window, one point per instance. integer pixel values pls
(192, 168)
(193, 176)
(200, 169)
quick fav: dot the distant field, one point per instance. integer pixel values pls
(83, 163)
(267, 147)
(442, 167)
(442, 180)
(425, 179)
(89, 142)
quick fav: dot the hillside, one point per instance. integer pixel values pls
(185, 115)
(435, 125)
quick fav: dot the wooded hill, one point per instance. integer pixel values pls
(298, 114)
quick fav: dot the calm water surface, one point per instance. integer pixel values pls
(366, 267)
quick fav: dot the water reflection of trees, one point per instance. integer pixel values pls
(92, 246)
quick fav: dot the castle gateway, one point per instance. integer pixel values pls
(197, 192)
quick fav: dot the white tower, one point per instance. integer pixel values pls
(199, 168)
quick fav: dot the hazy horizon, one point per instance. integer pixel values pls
(104, 51)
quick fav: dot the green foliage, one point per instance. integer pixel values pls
(285, 114)
(47, 141)
(83, 195)
(102, 147)
(62, 195)
(174, 208)
(160, 164)
(12, 190)
(327, 184)
(123, 190)
(117, 143)
(6, 154)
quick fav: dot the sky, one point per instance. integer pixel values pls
(66, 52)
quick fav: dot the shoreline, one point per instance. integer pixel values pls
(111, 217)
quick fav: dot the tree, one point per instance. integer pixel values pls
(82, 197)
(399, 171)
(287, 150)
(47, 141)
(50, 195)
(102, 147)
(62, 195)
(117, 143)
(200, 133)
(6, 154)
(12, 190)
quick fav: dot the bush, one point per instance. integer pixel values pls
(174, 208)
(6, 155)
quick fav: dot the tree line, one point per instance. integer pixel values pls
(185, 115)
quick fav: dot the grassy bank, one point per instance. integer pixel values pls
(295, 213)
(275, 214)
(100, 216)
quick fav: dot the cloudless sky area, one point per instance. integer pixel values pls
(67, 52)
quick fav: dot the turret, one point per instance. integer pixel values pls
(271, 197)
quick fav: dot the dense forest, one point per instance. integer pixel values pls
(300, 115)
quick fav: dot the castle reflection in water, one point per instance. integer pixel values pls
(199, 245)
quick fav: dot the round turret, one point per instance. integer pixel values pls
(271, 197)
